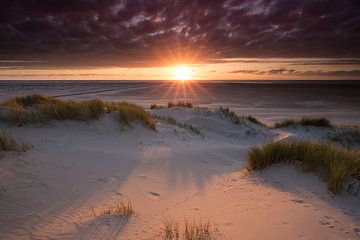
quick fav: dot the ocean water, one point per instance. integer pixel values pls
(268, 100)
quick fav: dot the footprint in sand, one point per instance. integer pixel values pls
(153, 196)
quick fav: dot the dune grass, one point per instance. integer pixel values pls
(347, 138)
(334, 163)
(196, 230)
(305, 121)
(155, 106)
(237, 118)
(120, 209)
(42, 109)
(9, 144)
(186, 126)
(39, 109)
(183, 104)
(129, 112)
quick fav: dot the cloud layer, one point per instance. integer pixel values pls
(145, 32)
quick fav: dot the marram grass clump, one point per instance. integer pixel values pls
(128, 113)
(195, 230)
(346, 137)
(42, 109)
(334, 163)
(155, 106)
(183, 104)
(9, 144)
(119, 209)
(305, 121)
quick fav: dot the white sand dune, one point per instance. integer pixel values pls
(76, 168)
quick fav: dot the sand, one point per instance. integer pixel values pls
(57, 189)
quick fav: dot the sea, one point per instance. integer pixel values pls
(270, 101)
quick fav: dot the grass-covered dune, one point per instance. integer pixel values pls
(41, 109)
(305, 121)
(334, 163)
(181, 104)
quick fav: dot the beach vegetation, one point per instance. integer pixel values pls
(121, 208)
(42, 109)
(195, 230)
(155, 106)
(335, 164)
(129, 112)
(305, 121)
(9, 144)
(183, 104)
(347, 137)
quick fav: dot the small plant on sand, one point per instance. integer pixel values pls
(9, 144)
(347, 138)
(237, 119)
(129, 113)
(171, 231)
(196, 230)
(120, 209)
(187, 126)
(154, 106)
(305, 121)
(183, 104)
(334, 163)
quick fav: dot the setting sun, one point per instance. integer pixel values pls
(182, 73)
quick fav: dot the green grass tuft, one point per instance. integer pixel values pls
(9, 144)
(183, 104)
(305, 121)
(334, 163)
(196, 230)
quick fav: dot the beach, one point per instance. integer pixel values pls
(59, 188)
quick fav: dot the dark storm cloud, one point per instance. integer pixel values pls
(139, 32)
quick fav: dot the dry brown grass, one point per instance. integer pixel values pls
(129, 113)
(119, 209)
(195, 230)
(9, 144)
(42, 109)
(305, 121)
(183, 104)
(335, 164)
(346, 137)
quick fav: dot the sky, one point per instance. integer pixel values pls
(150, 39)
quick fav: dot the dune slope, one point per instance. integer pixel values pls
(58, 189)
